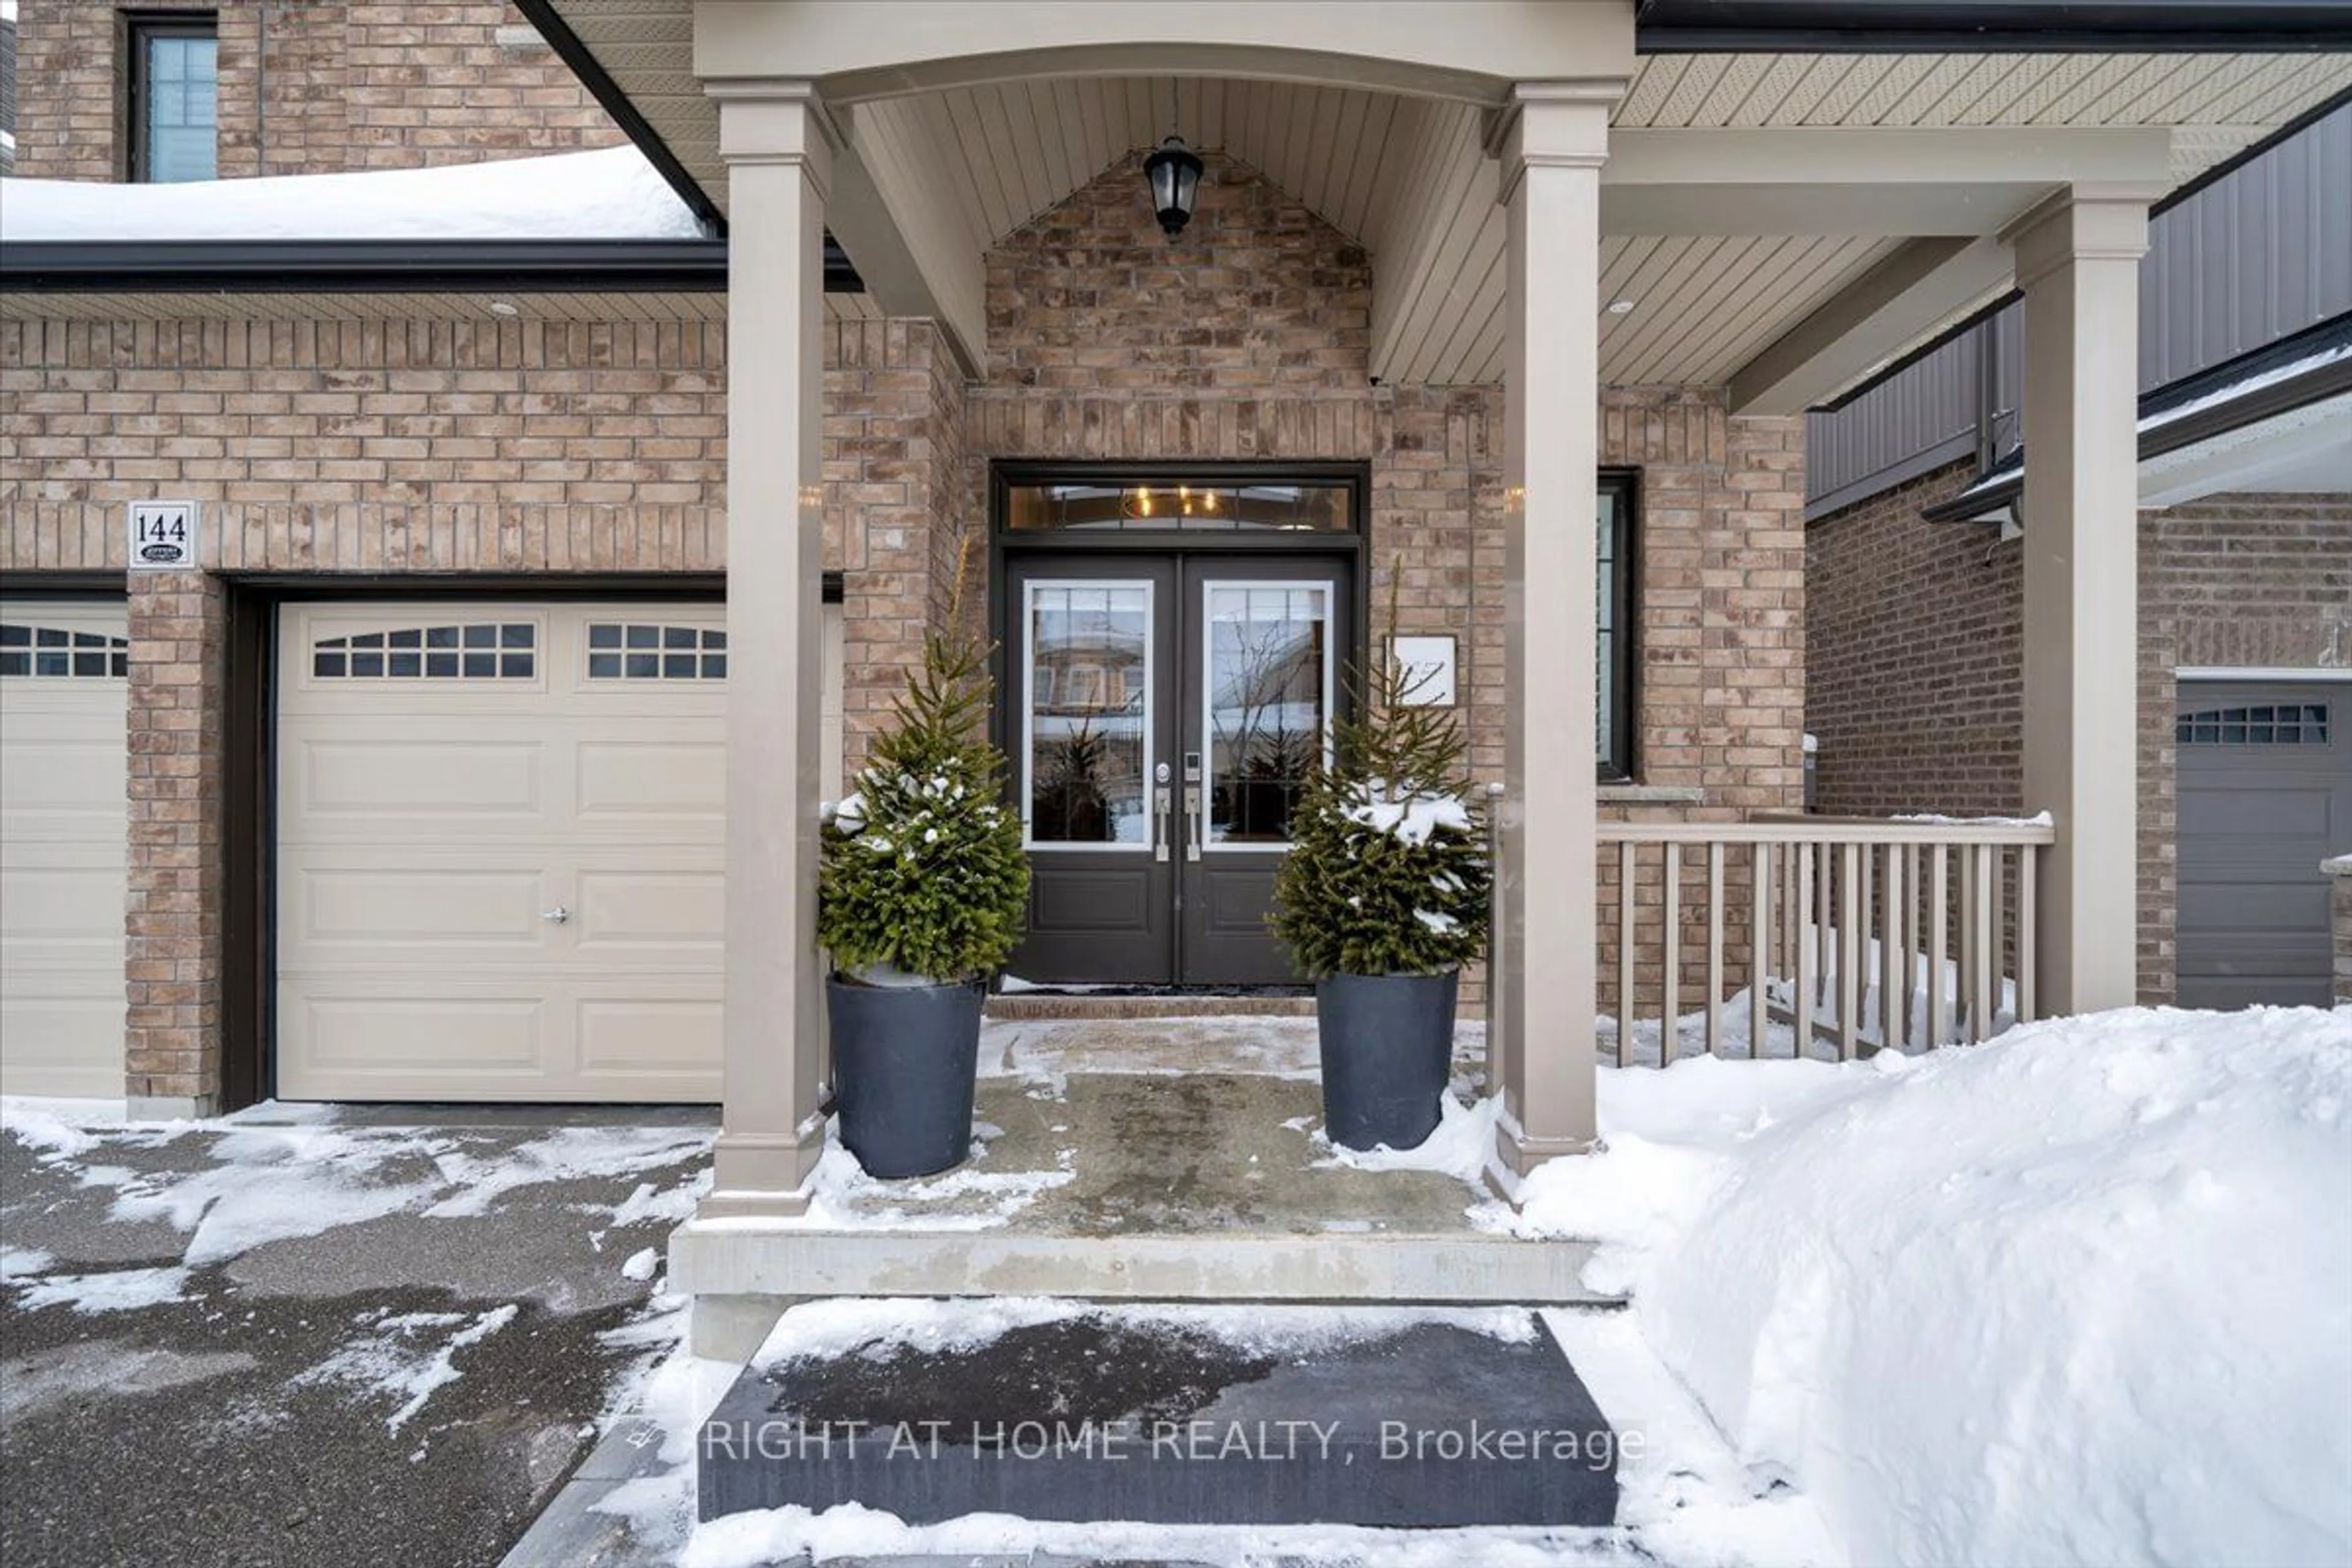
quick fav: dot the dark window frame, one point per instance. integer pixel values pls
(1617, 763)
(139, 29)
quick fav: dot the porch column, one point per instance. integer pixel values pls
(778, 145)
(1545, 959)
(2078, 262)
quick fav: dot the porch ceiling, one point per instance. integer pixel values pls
(959, 168)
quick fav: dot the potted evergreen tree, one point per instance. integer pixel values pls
(922, 887)
(1382, 899)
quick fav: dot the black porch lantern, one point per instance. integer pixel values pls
(1174, 174)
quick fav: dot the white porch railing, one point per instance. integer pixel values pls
(1868, 932)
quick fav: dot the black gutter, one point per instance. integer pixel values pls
(1983, 314)
(1987, 26)
(2267, 402)
(550, 26)
(380, 265)
(361, 266)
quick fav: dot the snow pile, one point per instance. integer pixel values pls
(1460, 1147)
(613, 193)
(2079, 1295)
(1411, 817)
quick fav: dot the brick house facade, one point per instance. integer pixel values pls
(311, 89)
(377, 448)
(1915, 650)
(454, 441)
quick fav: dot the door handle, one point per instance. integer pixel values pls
(1192, 822)
(555, 916)
(1162, 804)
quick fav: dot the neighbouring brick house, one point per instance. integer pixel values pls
(1915, 643)
(451, 760)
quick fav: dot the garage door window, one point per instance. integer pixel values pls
(485, 650)
(641, 650)
(2278, 724)
(56, 653)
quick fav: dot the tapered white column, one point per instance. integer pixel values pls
(1544, 974)
(777, 144)
(2078, 262)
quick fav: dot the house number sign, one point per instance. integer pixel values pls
(163, 535)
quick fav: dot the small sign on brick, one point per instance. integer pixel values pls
(165, 534)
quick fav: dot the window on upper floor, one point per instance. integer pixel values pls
(174, 99)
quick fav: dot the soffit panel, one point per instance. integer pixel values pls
(1405, 176)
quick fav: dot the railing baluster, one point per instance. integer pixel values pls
(1863, 907)
(1993, 880)
(1625, 953)
(1938, 922)
(1759, 963)
(1670, 993)
(1808, 959)
(1824, 933)
(1849, 966)
(1894, 976)
(1984, 959)
(2025, 895)
(1715, 947)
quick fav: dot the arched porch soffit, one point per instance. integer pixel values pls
(1468, 52)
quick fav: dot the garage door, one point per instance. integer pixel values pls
(2266, 794)
(499, 854)
(63, 826)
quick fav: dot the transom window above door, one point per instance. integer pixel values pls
(1157, 508)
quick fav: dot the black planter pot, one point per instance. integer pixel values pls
(1387, 1046)
(904, 1059)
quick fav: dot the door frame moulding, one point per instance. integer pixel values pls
(1174, 545)
(249, 763)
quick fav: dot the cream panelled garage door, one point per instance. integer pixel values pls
(63, 830)
(501, 868)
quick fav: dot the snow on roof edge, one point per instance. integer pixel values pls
(609, 194)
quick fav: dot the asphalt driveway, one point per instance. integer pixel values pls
(301, 1337)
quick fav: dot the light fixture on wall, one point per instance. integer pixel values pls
(1173, 176)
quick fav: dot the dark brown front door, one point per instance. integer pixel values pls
(1163, 709)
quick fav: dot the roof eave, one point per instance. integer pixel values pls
(1984, 26)
(1985, 500)
(379, 266)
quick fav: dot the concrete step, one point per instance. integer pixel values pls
(1298, 1417)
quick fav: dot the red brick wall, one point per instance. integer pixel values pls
(328, 85)
(1915, 650)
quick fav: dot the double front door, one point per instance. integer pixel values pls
(1163, 713)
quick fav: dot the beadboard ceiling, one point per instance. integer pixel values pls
(1409, 177)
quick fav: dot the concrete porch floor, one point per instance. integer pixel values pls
(1164, 1159)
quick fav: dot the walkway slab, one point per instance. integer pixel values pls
(1276, 1415)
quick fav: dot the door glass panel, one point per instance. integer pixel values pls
(1088, 651)
(1267, 695)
